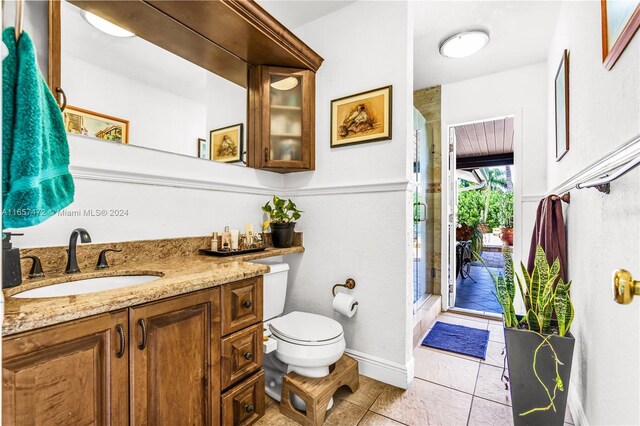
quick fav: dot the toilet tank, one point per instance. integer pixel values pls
(274, 288)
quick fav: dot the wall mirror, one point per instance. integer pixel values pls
(121, 88)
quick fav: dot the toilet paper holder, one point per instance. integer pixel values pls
(350, 284)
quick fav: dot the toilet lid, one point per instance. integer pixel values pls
(306, 327)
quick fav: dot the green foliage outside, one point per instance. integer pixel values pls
(471, 205)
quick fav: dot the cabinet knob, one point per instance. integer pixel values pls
(248, 408)
(266, 155)
(247, 304)
(248, 356)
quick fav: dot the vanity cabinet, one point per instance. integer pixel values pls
(191, 359)
(175, 352)
(281, 118)
(74, 373)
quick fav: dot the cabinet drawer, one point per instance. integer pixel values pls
(244, 404)
(241, 304)
(241, 354)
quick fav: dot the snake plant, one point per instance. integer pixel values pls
(543, 298)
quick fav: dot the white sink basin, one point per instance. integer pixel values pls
(91, 285)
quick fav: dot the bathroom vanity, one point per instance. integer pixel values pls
(185, 348)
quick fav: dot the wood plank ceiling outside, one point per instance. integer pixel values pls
(486, 138)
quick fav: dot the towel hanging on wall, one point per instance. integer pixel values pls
(549, 232)
(36, 182)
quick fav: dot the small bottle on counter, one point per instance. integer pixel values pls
(226, 239)
(214, 241)
(234, 239)
(248, 231)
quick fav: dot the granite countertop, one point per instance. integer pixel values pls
(179, 275)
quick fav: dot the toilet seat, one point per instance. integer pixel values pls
(306, 329)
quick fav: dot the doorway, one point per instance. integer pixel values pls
(481, 201)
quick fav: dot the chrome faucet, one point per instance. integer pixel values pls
(72, 260)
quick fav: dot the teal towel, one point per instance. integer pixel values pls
(36, 182)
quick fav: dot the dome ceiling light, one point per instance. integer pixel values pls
(464, 44)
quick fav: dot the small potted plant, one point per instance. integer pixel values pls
(506, 219)
(281, 218)
(539, 345)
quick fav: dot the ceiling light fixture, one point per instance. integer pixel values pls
(287, 83)
(464, 44)
(106, 26)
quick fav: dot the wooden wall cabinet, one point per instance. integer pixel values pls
(153, 364)
(281, 119)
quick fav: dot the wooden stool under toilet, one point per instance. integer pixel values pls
(316, 393)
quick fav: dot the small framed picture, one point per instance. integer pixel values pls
(360, 118)
(562, 106)
(620, 22)
(226, 144)
(80, 121)
(204, 151)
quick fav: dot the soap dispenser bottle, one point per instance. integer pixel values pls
(11, 270)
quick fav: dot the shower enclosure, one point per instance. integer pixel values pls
(421, 280)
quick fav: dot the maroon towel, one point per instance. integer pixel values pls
(549, 232)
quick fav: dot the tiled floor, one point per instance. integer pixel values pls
(448, 389)
(478, 292)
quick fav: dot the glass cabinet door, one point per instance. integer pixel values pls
(285, 100)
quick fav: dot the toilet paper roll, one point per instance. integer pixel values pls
(345, 304)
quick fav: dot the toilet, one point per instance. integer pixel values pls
(299, 342)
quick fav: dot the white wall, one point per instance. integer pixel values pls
(158, 118)
(357, 219)
(520, 92)
(603, 230)
(166, 195)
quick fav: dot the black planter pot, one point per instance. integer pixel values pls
(282, 234)
(526, 391)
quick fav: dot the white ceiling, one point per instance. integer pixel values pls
(293, 14)
(520, 32)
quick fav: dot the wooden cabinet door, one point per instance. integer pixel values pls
(175, 361)
(241, 304)
(73, 373)
(281, 119)
(241, 354)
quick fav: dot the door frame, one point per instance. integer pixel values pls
(447, 248)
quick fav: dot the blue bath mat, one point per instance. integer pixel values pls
(458, 338)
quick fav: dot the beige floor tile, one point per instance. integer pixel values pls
(344, 413)
(365, 396)
(490, 385)
(451, 319)
(424, 403)
(373, 419)
(496, 333)
(446, 370)
(488, 413)
(464, 317)
(273, 417)
(494, 354)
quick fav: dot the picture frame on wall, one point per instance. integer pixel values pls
(226, 144)
(78, 121)
(620, 22)
(204, 151)
(562, 106)
(361, 118)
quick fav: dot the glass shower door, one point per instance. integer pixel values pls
(420, 164)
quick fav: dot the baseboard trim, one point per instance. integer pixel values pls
(392, 373)
(575, 407)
